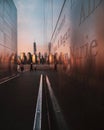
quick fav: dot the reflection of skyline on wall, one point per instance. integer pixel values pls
(8, 36)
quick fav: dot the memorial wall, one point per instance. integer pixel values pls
(8, 38)
(78, 40)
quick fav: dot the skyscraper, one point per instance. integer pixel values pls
(34, 45)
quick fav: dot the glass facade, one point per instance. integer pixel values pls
(8, 38)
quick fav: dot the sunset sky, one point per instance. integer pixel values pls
(33, 25)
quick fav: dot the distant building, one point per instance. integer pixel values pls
(49, 47)
(34, 46)
(8, 37)
(23, 58)
(29, 58)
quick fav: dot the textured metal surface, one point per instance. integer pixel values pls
(79, 38)
(8, 37)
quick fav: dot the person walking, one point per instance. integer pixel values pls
(21, 67)
(31, 67)
(55, 66)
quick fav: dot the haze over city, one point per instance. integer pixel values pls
(35, 23)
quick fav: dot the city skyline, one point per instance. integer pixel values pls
(26, 34)
(35, 23)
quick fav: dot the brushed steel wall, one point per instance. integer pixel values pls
(79, 36)
(8, 37)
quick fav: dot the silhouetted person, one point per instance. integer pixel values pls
(42, 60)
(55, 66)
(31, 67)
(21, 67)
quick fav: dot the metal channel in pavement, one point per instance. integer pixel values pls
(38, 113)
(8, 79)
(56, 108)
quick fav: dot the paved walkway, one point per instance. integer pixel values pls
(17, 102)
(82, 107)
